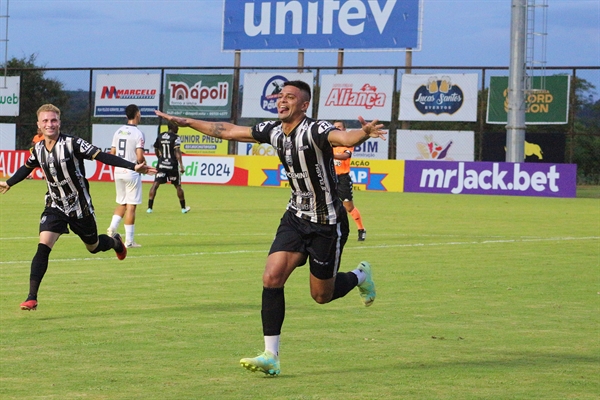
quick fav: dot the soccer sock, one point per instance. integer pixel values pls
(357, 218)
(360, 275)
(114, 223)
(129, 230)
(150, 203)
(39, 265)
(344, 282)
(105, 243)
(182, 203)
(272, 344)
(273, 311)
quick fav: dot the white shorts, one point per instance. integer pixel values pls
(129, 186)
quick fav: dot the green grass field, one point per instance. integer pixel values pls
(479, 297)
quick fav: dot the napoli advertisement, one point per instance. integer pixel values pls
(332, 24)
(497, 178)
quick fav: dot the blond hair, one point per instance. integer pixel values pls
(50, 108)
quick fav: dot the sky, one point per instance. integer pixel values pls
(174, 33)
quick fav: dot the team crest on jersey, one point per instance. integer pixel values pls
(324, 126)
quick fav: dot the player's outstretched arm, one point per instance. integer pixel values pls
(356, 137)
(221, 130)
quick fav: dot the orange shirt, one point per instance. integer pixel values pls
(342, 166)
(37, 138)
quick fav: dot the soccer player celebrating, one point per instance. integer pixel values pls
(314, 226)
(68, 200)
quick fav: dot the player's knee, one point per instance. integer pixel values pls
(322, 298)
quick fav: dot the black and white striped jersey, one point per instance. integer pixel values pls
(307, 157)
(68, 189)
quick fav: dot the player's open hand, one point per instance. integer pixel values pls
(145, 169)
(373, 128)
(178, 120)
(4, 187)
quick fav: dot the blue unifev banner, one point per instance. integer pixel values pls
(497, 178)
(325, 24)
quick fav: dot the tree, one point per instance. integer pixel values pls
(36, 90)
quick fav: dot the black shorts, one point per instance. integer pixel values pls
(168, 175)
(53, 220)
(345, 187)
(322, 243)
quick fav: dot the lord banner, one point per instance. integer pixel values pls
(543, 107)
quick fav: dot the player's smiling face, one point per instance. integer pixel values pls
(291, 104)
(49, 124)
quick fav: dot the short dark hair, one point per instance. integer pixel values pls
(303, 86)
(340, 121)
(173, 127)
(131, 111)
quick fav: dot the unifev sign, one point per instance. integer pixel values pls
(498, 178)
(325, 24)
(115, 92)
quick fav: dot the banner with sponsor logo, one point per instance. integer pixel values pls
(544, 107)
(115, 92)
(380, 175)
(435, 145)
(439, 97)
(194, 142)
(346, 96)
(198, 96)
(450, 177)
(261, 91)
(332, 24)
(499, 178)
(10, 96)
(540, 147)
(102, 135)
(374, 149)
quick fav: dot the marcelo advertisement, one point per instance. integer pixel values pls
(115, 92)
(326, 24)
(198, 96)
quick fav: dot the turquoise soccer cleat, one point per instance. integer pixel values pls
(266, 362)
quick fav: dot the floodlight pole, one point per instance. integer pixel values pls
(515, 128)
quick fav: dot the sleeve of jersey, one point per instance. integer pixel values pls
(109, 159)
(320, 133)
(260, 132)
(20, 174)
